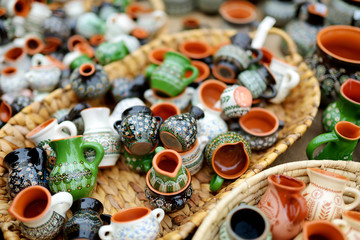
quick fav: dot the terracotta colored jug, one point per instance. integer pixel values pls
(319, 229)
(341, 142)
(284, 206)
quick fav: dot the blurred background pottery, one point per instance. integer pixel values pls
(109, 52)
(179, 7)
(282, 10)
(89, 24)
(139, 163)
(209, 6)
(349, 224)
(343, 12)
(321, 229)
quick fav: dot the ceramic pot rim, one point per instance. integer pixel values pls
(243, 170)
(188, 151)
(85, 48)
(168, 194)
(301, 186)
(113, 218)
(237, 5)
(140, 33)
(205, 68)
(155, 51)
(96, 39)
(191, 22)
(221, 78)
(332, 175)
(26, 7)
(8, 111)
(10, 51)
(206, 83)
(51, 44)
(157, 158)
(307, 224)
(352, 215)
(84, 66)
(264, 111)
(97, 108)
(183, 47)
(3, 11)
(38, 49)
(348, 81)
(350, 124)
(5, 71)
(168, 104)
(241, 89)
(39, 130)
(311, 9)
(75, 38)
(65, 138)
(334, 28)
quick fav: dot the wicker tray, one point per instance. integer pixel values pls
(251, 190)
(118, 187)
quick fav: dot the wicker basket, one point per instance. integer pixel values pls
(118, 187)
(251, 190)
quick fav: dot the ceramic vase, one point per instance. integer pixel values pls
(56, 26)
(349, 224)
(109, 52)
(38, 14)
(346, 108)
(99, 129)
(152, 21)
(284, 193)
(118, 24)
(193, 159)
(27, 167)
(122, 105)
(12, 81)
(72, 172)
(89, 24)
(41, 215)
(17, 57)
(324, 195)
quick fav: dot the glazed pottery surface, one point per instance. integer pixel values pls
(41, 215)
(349, 224)
(320, 229)
(138, 223)
(284, 206)
(152, 21)
(236, 101)
(209, 6)
(282, 11)
(118, 24)
(85, 221)
(122, 88)
(122, 105)
(324, 195)
(56, 26)
(335, 60)
(346, 108)
(193, 158)
(343, 13)
(89, 24)
(165, 110)
(109, 52)
(99, 129)
(27, 167)
(17, 57)
(12, 81)
(169, 78)
(89, 81)
(341, 142)
(140, 164)
(72, 172)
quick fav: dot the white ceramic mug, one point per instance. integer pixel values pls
(152, 21)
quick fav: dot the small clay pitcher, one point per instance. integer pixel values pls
(168, 174)
(33, 45)
(165, 110)
(349, 224)
(41, 215)
(72, 172)
(109, 52)
(341, 142)
(236, 101)
(325, 191)
(138, 223)
(27, 167)
(284, 206)
(320, 229)
(346, 108)
(229, 156)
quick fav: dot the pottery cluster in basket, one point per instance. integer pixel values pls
(43, 45)
(289, 206)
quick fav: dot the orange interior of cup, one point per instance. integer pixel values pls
(210, 92)
(129, 215)
(259, 122)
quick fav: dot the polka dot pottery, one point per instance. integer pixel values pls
(140, 164)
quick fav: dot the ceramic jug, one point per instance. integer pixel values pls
(346, 108)
(72, 172)
(169, 78)
(89, 24)
(99, 129)
(152, 21)
(27, 167)
(48, 131)
(324, 195)
(138, 223)
(341, 142)
(109, 52)
(41, 215)
(349, 224)
(284, 206)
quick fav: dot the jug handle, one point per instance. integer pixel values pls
(99, 151)
(69, 126)
(194, 75)
(301, 204)
(61, 202)
(258, 53)
(342, 224)
(216, 183)
(158, 213)
(159, 120)
(272, 95)
(356, 202)
(105, 232)
(319, 140)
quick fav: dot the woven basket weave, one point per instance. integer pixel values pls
(251, 190)
(119, 188)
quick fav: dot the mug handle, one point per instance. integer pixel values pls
(194, 75)
(319, 140)
(105, 232)
(160, 120)
(69, 126)
(159, 214)
(216, 183)
(294, 78)
(342, 224)
(99, 151)
(61, 202)
(272, 95)
(301, 202)
(259, 55)
(356, 202)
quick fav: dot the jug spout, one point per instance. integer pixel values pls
(348, 130)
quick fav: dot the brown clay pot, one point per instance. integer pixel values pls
(210, 93)
(5, 111)
(22, 8)
(321, 229)
(74, 40)
(97, 39)
(134, 9)
(33, 45)
(204, 71)
(85, 48)
(156, 56)
(195, 49)
(14, 54)
(51, 45)
(238, 12)
(165, 110)
(190, 23)
(140, 33)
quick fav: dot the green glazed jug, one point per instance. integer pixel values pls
(341, 142)
(171, 78)
(72, 173)
(109, 52)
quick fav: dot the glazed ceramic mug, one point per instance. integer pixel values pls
(349, 224)
(138, 163)
(236, 101)
(138, 223)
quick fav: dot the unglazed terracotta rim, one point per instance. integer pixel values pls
(85, 48)
(191, 22)
(153, 59)
(334, 28)
(349, 81)
(60, 139)
(223, 10)
(221, 78)
(334, 176)
(38, 49)
(7, 114)
(11, 50)
(3, 11)
(243, 170)
(140, 33)
(97, 39)
(84, 66)
(26, 8)
(5, 71)
(307, 224)
(159, 104)
(340, 123)
(204, 67)
(56, 62)
(242, 89)
(75, 38)
(350, 215)
(183, 49)
(51, 44)
(36, 131)
(263, 110)
(168, 194)
(206, 83)
(311, 9)
(18, 196)
(129, 210)
(301, 186)
(157, 158)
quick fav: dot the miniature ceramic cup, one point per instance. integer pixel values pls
(284, 193)
(230, 60)
(118, 24)
(49, 130)
(321, 229)
(12, 81)
(260, 128)
(235, 101)
(152, 21)
(179, 132)
(258, 82)
(165, 110)
(326, 191)
(122, 105)
(195, 49)
(245, 222)
(229, 155)
(204, 70)
(238, 13)
(41, 215)
(157, 55)
(140, 164)
(138, 223)
(341, 142)
(18, 58)
(349, 224)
